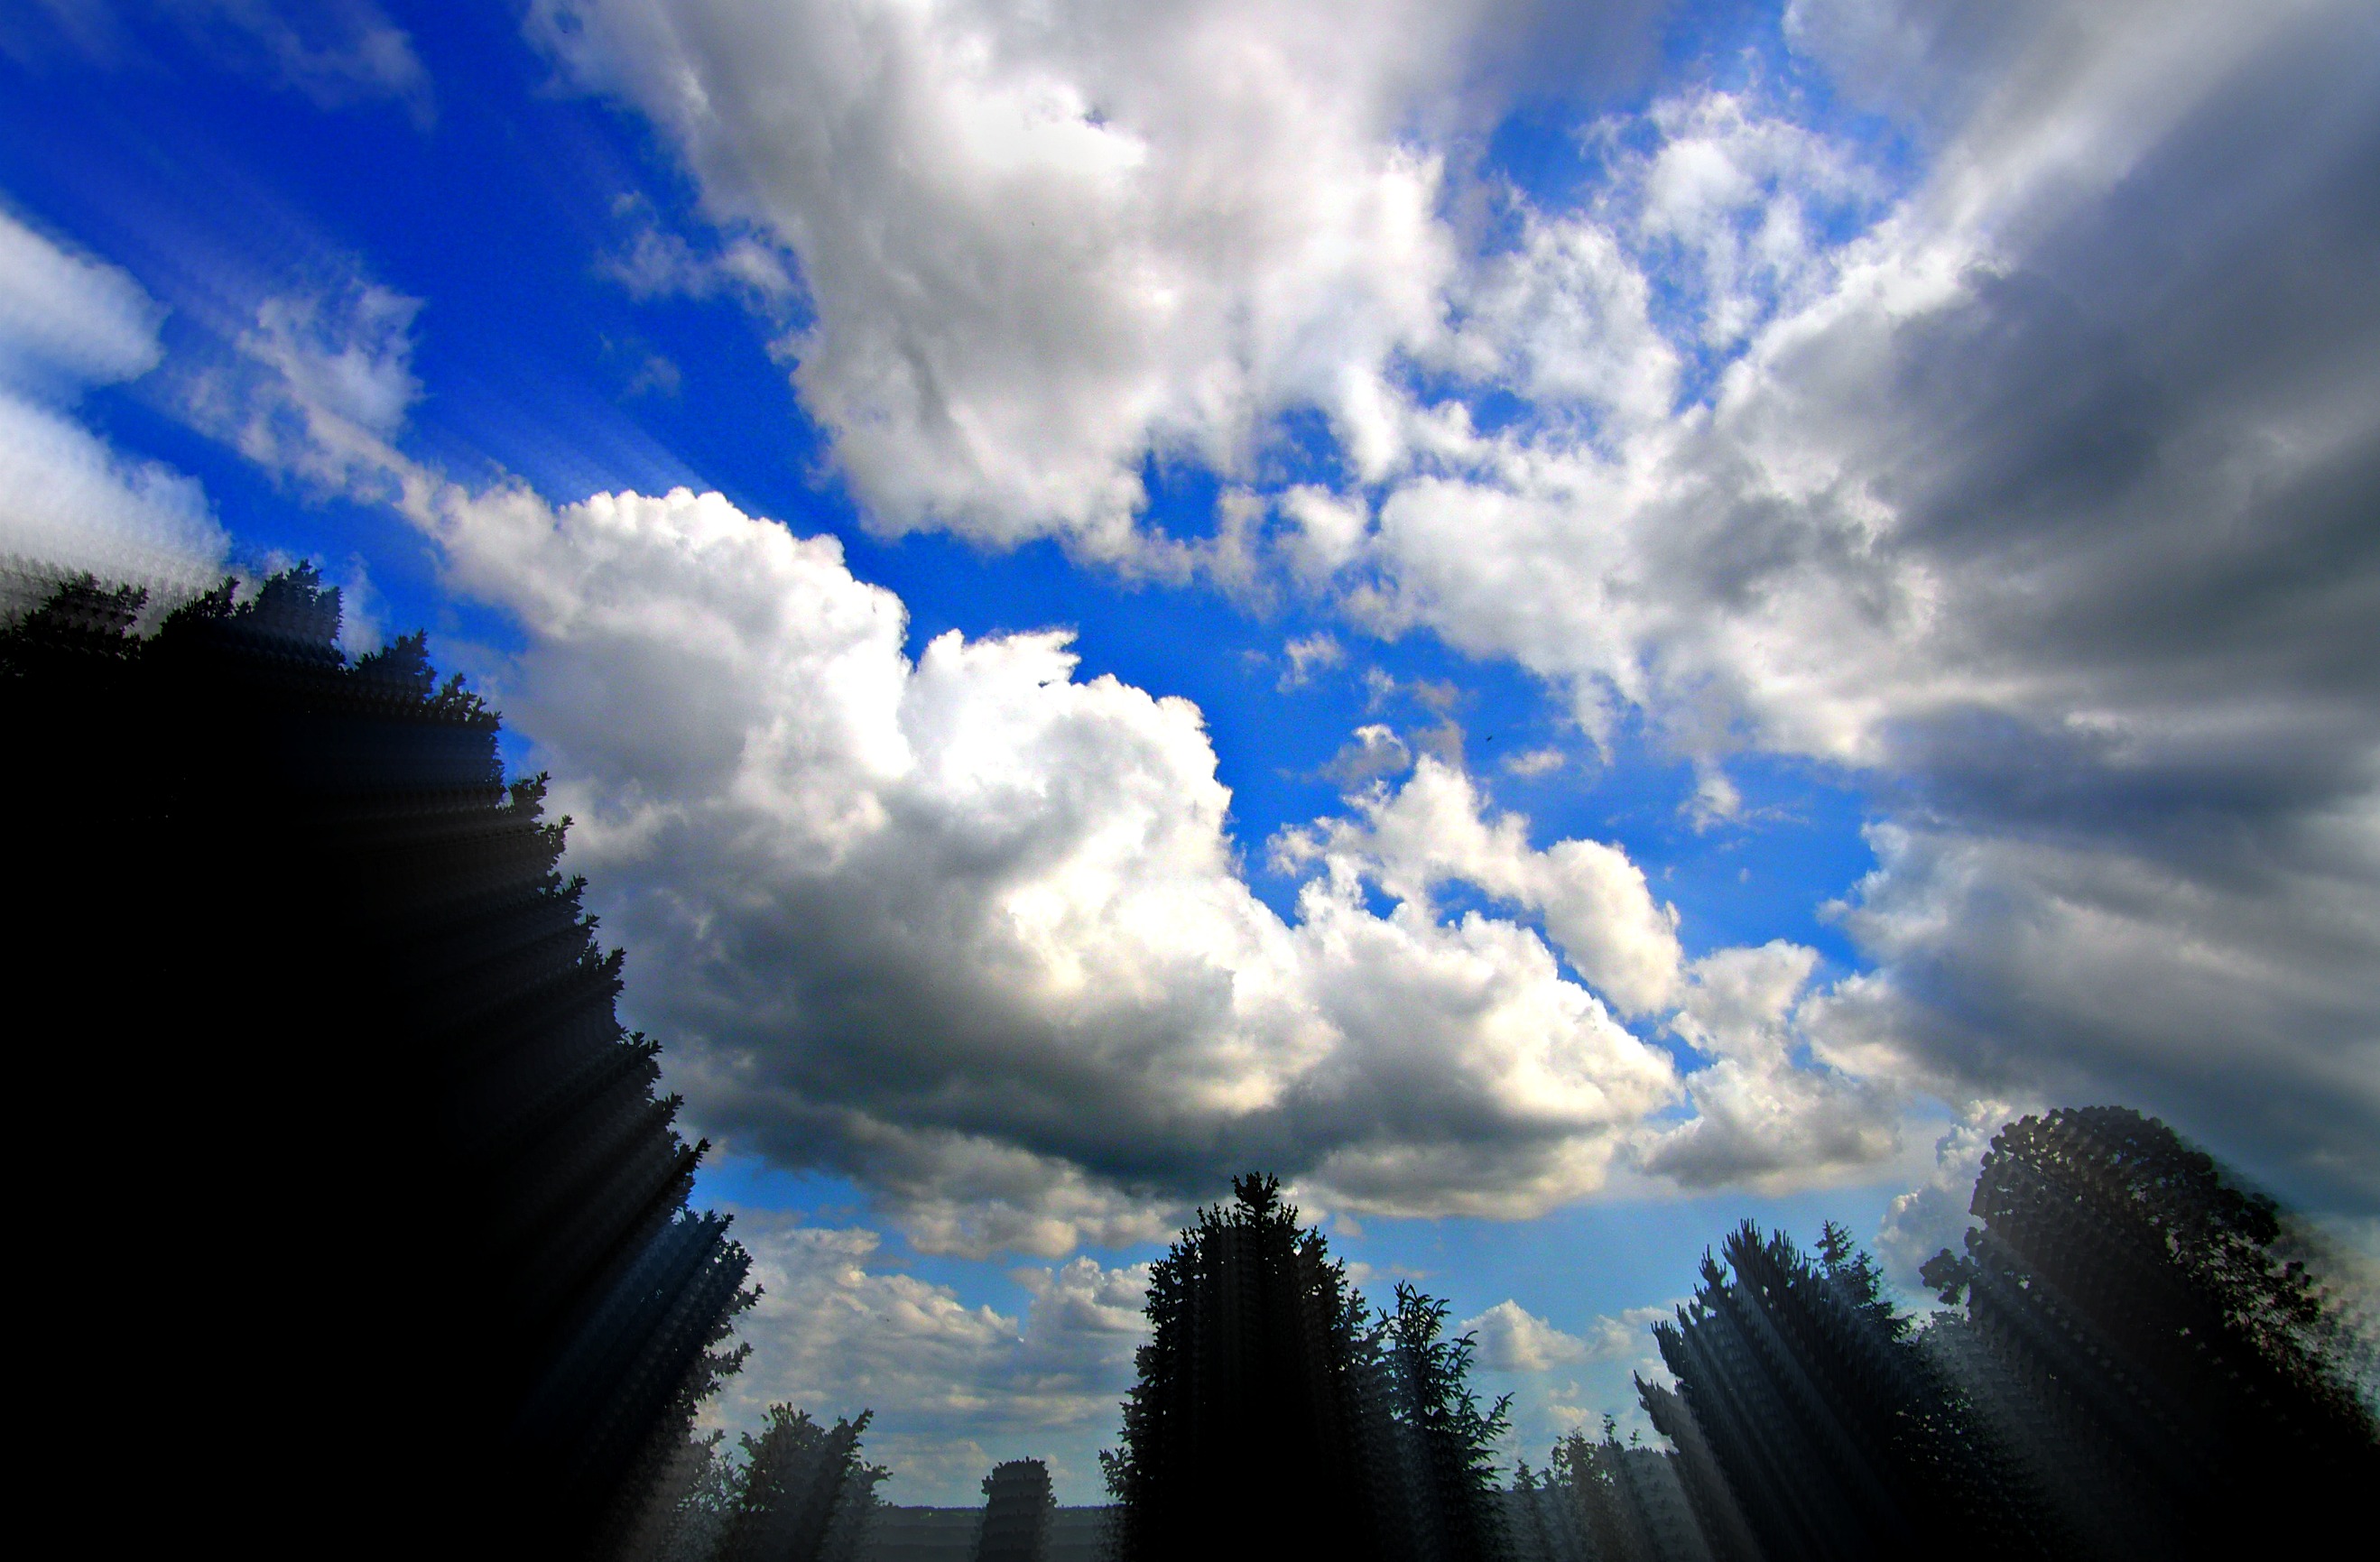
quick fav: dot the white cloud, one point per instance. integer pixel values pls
(1932, 1214)
(839, 1328)
(1433, 830)
(2012, 503)
(1042, 244)
(2013, 453)
(1766, 1113)
(1564, 318)
(1328, 529)
(339, 381)
(69, 501)
(1968, 503)
(1562, 1382)
(1512, 1339)
(1745, 199)
(903, 917)
(1307, 654)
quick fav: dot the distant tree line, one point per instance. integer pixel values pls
(801, 1492)
(2133, 1362)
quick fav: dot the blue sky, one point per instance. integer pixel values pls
(1661, 613)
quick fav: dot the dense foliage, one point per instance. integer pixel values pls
(1266, 1373)
(337, 1039)
(2139, 1368)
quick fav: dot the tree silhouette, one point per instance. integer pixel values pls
(1447, 1443)
(1245, 1433)
(1836, 1435)
(1017, 1504)
(306, 968)
(804, 1495)
(2139, 1311)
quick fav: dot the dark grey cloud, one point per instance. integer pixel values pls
(2054, 518)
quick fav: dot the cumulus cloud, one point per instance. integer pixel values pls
(906, 915)
(840, 1328)
(911, 915)
(1513, 1338)
(1766, 1112)
(2024, 476)
(1041, 244)
(1433, 830)
(69, 501)
(2036, 503)
(1932, 1214)
(1562, 1382)
(2031, 493)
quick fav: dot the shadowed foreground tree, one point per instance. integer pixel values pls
(1445, 1444)
(1275, 1416)
(1017, 1504)
(2184, 1385)
(1838, 1437)
(804, 1495)
(1253, 1383)
(336, 1040)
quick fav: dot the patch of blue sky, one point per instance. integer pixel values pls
(1571, 156)
(1592, 1259)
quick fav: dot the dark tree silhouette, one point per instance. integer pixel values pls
(1601, 1501)
(1017, 1504)
(1244, 1435)
(312, 992)
(2182, 1383)
(1718, 1519)
(805, 1494)
(1838, 1437)
(689, 1505)
(1446, 1442)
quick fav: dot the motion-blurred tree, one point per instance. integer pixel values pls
(1838, 1437)
(805, 1494)
(302, 961)
(1449, 1443)
(1243, 1436)
(2147, 1313)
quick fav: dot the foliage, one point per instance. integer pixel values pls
(2178, 1366)
(805, 1496)
(294, 931)
(1449, 1443)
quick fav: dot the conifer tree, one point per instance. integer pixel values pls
(1244, 1435)
(308, 969)
(1448, 1442)
(1836, 1437)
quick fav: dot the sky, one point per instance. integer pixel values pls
(1564, 624)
